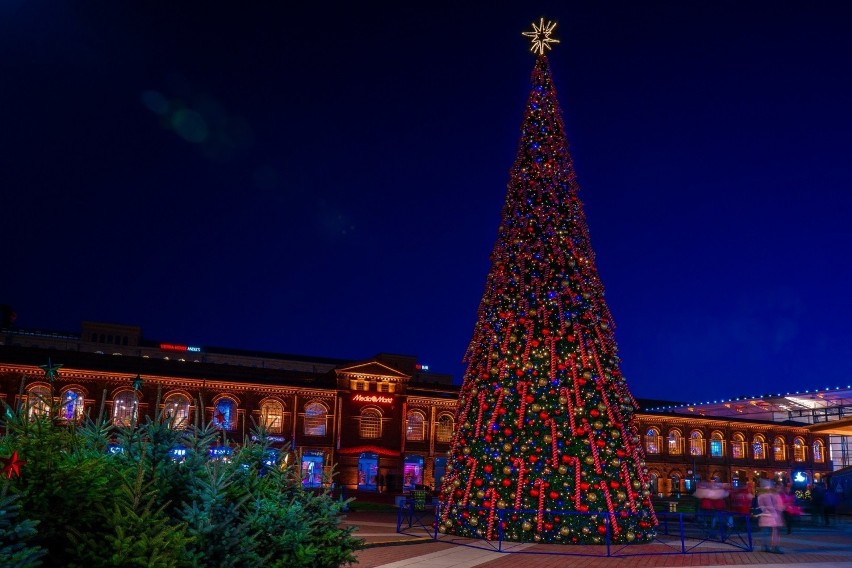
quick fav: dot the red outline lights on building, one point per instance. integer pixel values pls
(373, 398)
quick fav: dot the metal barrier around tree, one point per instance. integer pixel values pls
(677, 533)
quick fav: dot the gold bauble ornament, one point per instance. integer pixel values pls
(636, 484)
(527, 526)
(537, 538)
(564, 531)
(524, 448)
(615, 433)
(598, 425)
(501, 504)
(542, 382)
(547, 439)
(631, 536)
(473, 521)
(621, 495)
(513, 338)
(563, 469)
(456, 483)
(507, 447)
(535, 407)
(507, 470)
(495, 355)
(480, 494)
(602, 407)
(616, 462)
(587, 530)
(466, 451)
(563, 400)
(592, 497)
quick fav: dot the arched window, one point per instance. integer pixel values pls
(653, 486)
(371, 423)
(696, 443)
(176, 411)
(738, 446)
(38, 401)
(819, 451)
(444, 428)
(225, 414)
(125, 406)
(779, 449)
(717, 445)
(798, 450)
(759, 447)
(652, 441)
(72, 405)
(415, 426)
(675, 443)
(316, 415)
(272, 416)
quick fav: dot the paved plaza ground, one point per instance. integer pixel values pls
(815, 546)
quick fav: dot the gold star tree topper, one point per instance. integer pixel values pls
(540, 35)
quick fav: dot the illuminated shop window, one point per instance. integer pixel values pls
(38, 401)
(779, 449)
(72, 405)
(738, 446)
(415, 426)
(176, 411)
(444, 428)
(225, 414)
(798, 450)
(819, 451)
(316, 416)
(371, 423)
(125, 406)
(272, 416)
(717, 445)
(696, 443)
(675, 443)
(759, 447)
(652, 441)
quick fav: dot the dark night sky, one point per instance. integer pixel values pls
(328, 180)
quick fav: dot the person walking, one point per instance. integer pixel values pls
(771, 516)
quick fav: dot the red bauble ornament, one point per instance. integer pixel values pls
(506, 482)
(554, 495)
(584, 486)
(488, 468)
(602, 529)
(507, 431)
(533, 492)
(477, 482)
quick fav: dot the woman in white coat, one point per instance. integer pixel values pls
(771, 515)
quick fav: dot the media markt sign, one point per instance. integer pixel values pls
(375, 399)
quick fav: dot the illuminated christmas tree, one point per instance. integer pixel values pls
(546, 448)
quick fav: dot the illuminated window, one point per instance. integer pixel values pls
(717, 445)
(272, 416)
(738, 446)
(316, 416)
(38, 401)
(415, 426)
(385, 387)
(819, 451)
(444, 428)
(359, 385)
(798, 450)
(225, 414)
(758, 446)
(72, 405)
(371, 423)
(652, 441)
(779, 449)
(696, 443)
(675, 443)
(176, 411)
(124, 408)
